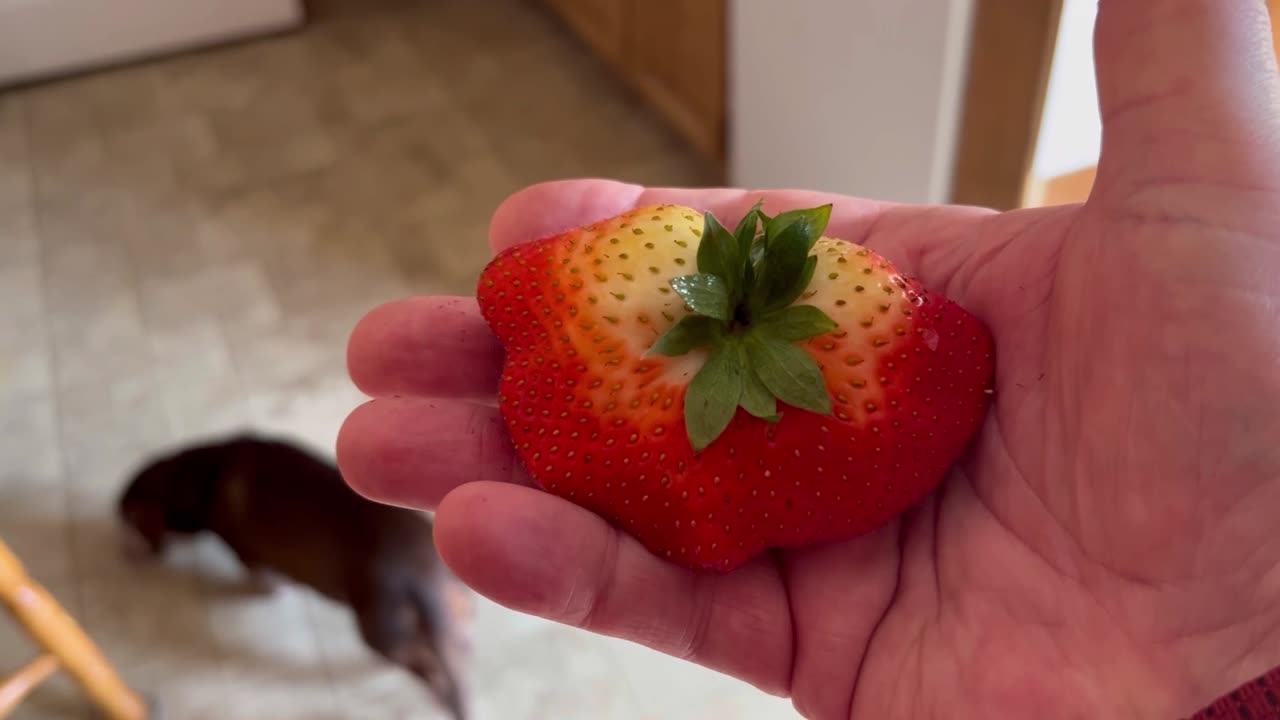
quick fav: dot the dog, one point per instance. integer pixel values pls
(284, 512)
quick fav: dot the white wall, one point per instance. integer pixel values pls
(41, 38)
(1071, 128)
(854, 96)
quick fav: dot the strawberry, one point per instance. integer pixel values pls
(716, 393)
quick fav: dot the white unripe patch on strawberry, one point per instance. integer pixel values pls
(629, 287)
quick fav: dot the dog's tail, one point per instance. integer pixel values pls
(435, 627)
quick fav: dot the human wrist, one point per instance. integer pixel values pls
(1246, 675)
(1257, 699)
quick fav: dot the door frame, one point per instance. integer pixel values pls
(1010, 57)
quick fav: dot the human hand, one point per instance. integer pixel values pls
(1107, 547)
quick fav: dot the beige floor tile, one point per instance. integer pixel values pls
(196, 379)
(34, 523)
(123, 99)
(26, 369)
(107, 431)
(257, 699)
(195, 348)
(257, 223)
(662, 688)
(73, 174)
(295, 354)
(28, 440)
(312, 415)
(95, 543)
(134, 607)
(21, 298)
(207, 406)
(18, 242)
(236, 293)
(345, 265)
(85, 273)
(15, 165)
(166, 245)
(519, 667)
(230, 77)
(56, 699)
(100, 342)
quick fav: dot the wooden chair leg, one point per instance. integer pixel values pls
(20, 684)
(59, 634)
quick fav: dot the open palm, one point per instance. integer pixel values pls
(1108, 546)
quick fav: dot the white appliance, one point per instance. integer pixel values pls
(46, 38)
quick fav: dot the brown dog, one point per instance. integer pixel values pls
(282, 510)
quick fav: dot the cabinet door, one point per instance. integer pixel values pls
(676, 58)
(600, 23)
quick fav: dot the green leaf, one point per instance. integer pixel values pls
(693, 331)
(706, 294)
(780, 269)
(797, 288)
(718, 254)
(812, 223)
(748, 228)
(712, 398)
(757, 251)
(756, 398)
(797, 322)
(790, 373)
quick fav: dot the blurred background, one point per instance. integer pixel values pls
(199, 199)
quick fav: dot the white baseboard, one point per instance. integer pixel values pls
(40, 39)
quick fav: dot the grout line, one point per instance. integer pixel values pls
(51, 348)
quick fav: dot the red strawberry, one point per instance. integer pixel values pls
(717, 394)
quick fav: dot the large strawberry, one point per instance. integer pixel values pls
(719, 393)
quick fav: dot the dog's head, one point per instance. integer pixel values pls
(172, 495)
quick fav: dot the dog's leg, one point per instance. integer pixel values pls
(259, 579)
(421, 659)
(390, 625)
(264, 582)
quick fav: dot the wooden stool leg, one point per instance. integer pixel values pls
(20, 684)
(56, 631)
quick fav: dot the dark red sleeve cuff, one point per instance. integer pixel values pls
(1259, 699)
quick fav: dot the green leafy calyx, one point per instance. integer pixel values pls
(742, 303)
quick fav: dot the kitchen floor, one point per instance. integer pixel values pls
(184, 247)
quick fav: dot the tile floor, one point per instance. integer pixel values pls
(184, 246)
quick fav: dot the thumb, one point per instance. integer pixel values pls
(1189, 93)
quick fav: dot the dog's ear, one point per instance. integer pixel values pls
(143, 508)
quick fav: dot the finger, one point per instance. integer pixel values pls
(1187, 90)
(553, 207)
(438, 346)
(412, 451)
(839, 593)
(538, 554)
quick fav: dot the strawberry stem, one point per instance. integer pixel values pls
(741, 304)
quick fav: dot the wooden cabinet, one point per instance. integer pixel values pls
(600, 23)
(672, 52)
(677, 61)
